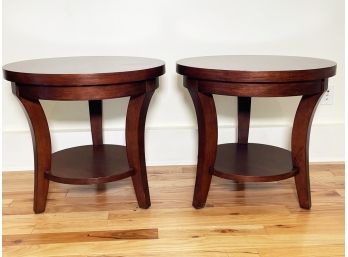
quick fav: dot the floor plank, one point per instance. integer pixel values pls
(71, 237)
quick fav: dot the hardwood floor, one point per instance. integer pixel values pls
(264, 220)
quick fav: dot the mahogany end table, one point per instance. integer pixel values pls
(92, 79)
(245, 77)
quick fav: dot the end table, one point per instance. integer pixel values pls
(245, 77)
(92, 79)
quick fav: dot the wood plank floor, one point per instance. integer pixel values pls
(263, 220)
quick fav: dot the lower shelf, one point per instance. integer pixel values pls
(89, 165)
(253, 162)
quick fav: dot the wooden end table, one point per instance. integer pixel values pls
(246, 77)
(92, 79)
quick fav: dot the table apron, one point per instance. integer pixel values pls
(98, 92)
(257, 89)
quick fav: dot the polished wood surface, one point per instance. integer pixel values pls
(70, 93)
(261, 221)
(275, 89)
(83, 70)
(244, 106)
(96, 119)
(41, 147)
(206, 118)
(253, 162)
(89, 165)
(92, 79)
(135, 128)
(256, 68)
(245, 77)
(300, 146)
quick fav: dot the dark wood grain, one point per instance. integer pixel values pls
(89, 164)
(92, 79)
(96, 118)
(136, 151)
(67, 93)
(244, 104)
(207, 140)
(83, 70)
(246, 77)
(135, 126)
(253, 162)
(256, 68)
(300, 146)
(41, 146)
(261, 89)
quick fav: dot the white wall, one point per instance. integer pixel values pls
(171, 30)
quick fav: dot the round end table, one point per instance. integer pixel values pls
(93, 79)
(245, 77)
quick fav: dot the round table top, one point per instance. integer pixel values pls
(256, 68)
(83, 70)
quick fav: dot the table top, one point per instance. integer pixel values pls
(83, 70)
(256, 68)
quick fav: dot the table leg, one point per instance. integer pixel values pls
(300, 144)
(244, 104)
(207, 145)
(135, 125)
(42, 148)
(96, 119)
(243, 119)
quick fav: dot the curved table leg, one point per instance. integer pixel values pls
(207, 145)
(135, 125)
(300, 144)
(42, 149)
(96, 119)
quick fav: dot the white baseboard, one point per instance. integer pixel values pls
(174, 145)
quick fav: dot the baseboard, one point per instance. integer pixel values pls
(174, 145)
